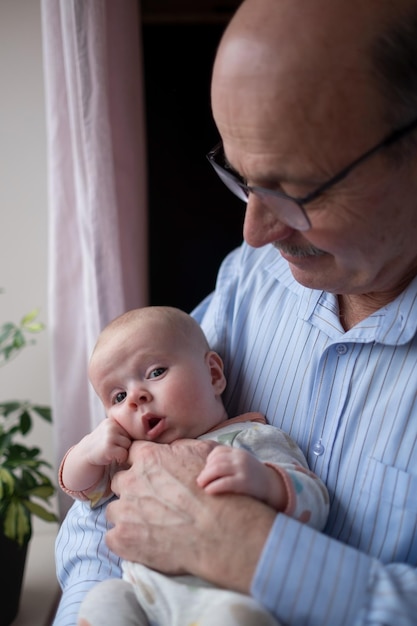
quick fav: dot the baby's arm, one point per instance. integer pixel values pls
(85, 463)
(275, 471)
(234, 470)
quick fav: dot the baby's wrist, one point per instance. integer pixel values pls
(280, 488)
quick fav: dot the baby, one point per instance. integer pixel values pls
(159, 381)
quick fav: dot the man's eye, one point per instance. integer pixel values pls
(158, 371)
(119, 397)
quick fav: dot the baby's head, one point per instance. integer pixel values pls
(156, 361)
(160, 325)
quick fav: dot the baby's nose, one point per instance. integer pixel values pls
(139, 396)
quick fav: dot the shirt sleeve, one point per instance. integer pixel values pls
(306, 577)
(82, 558)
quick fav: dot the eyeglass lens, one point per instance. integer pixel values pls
(287, 209)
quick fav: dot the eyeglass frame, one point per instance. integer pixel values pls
(236, 179)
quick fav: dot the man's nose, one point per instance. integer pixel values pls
(261, 225)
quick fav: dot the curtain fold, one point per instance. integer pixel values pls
(97, 196)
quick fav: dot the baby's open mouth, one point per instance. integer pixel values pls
(153, 425)
(153, 421)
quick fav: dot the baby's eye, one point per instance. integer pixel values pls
(119, 397)
(158, 371)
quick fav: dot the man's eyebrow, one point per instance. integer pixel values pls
(273, 180)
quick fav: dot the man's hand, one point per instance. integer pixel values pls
(163, 519)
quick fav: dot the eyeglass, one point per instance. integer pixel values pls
(291, 210)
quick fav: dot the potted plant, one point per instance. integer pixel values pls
(25, 488)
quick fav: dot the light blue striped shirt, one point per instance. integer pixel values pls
(351, 397)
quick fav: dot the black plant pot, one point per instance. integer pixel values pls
(13, 559)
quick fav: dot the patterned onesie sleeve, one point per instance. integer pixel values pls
(308, 499)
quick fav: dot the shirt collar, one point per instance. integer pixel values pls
(394, 324)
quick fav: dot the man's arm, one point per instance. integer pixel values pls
(82, 558)
(298, 573)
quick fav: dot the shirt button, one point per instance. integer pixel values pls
(318, 448)
(341, 349)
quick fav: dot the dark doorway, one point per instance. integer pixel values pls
(194, 220)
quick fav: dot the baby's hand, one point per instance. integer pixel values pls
(107, 443)
(230, 469)
(234, 470)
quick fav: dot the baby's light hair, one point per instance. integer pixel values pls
(179, 321)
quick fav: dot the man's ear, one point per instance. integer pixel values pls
(218, 379)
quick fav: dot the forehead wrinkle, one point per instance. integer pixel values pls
(270, 171)
(311, 152)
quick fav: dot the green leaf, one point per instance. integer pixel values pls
(18, 340)
(40, 511)
(25, 422)
(36, 327)
(5, 331)
(29, 317)
(17, 525)
(7, 482)
(6, 408)
(43, 491)
(43, 411)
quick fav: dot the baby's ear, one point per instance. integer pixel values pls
(218, 379)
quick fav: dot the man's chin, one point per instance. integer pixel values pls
(313, 273)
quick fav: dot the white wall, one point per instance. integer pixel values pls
(23, 200)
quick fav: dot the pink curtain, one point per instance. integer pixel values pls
(97, 192)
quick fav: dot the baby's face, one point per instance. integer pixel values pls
(156, 385)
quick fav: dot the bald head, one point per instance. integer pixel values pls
(314, 56)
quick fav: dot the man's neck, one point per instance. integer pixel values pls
(355, 308)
